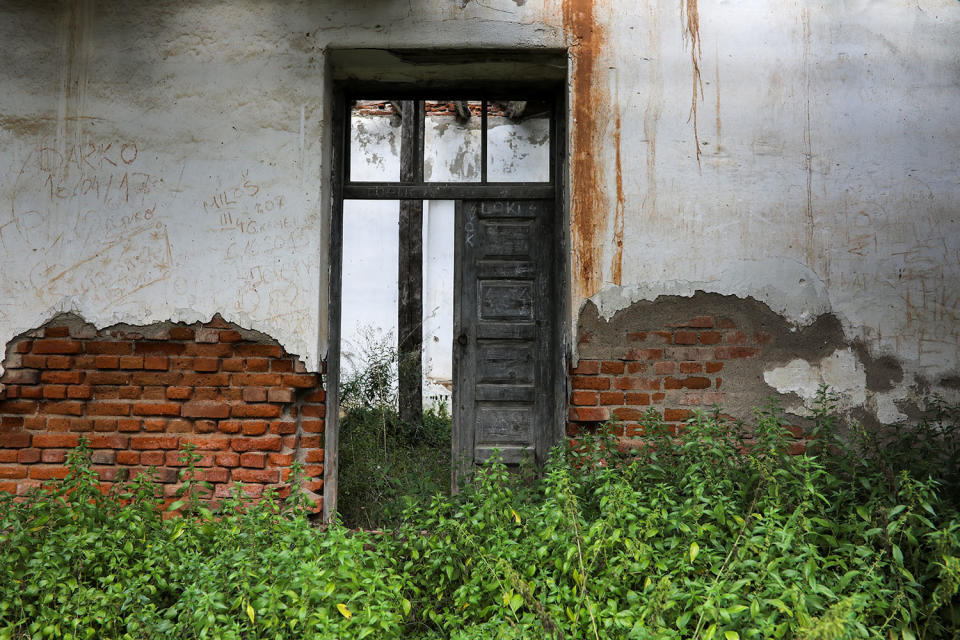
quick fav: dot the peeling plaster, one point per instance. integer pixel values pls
(841, 371)
(786, 286)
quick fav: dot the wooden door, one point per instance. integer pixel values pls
(503, 331)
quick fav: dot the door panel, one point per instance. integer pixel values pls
(504, 324)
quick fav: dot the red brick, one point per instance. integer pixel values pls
(204, 409)
(313, 396)
(109, 442)
(104, 456)
(312, 410)
(283, 427)
(8, 487)
(608, 398)
(229, 426)
(229, 335)
(299, 381)
(689, 353)
(584, 398)
(636, 367)
(156, 409)
(254, 394)
(80, 392)
(663, 368)
(589, 382)
(153, 442)
(206, 365)
(228, 459)
(691, 399)
(10, 423)
(589, 414)
(57, 346)
(159, 348)
(213, 475)
(214, 393)
(129, 424)
(108, 377)
(691, 367)
(155, 425)
(99, 408)
(684, 337)
(262, 350)
(264, 443)
(256, 364)
(12, 473)
(313, 471)
(20, 407)
(26, 456)
(106, 362)
(56, 440)
(111, 348)
(30, 361)
(286, 395)
(614, 367)
(48, 473)
(128, 457)
(152, 458)
(727, 353)
(34, 422)
(69, 408)
(207, 335)
(204, 426)
(657, 398)
(627, 413)
(157, 379)
(255, 475)
(20, 376)
(209, 443)
(762, 337)
(311, 442)
(644, 354)
(55, 391)
(713, 367)
(712, 398)
(312, 426)
(156, 363)
(254, 427)
(131, 362)
(710, 337)
(153, 393)
(23, 346)
(676, 415)
(231, 364)
(206, 379)
(181, 333)
(253, 460)
(314, 455)
(638, 399)
(209, 350)
(281, 366)
(279, 459)
(586, 368)
(316, 485)
(256, 411)
(637, 336)
(627, 383)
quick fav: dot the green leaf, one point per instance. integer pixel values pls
(731, 635)
(251, 614)
(694, 551)
(516, 602)
(897, 555)
(405, 604)
(174, 506)
(342, 608)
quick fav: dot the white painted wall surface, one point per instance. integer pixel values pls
(828, 134)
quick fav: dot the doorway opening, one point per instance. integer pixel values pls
(445, 316)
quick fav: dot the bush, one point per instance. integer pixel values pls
(712, 533)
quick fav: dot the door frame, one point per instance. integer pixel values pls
(346, 90)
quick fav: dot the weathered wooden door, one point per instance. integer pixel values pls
(504, 331)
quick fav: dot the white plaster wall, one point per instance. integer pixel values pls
(828, 179)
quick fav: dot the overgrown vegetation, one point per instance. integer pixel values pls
(713, 533)
(387, 466)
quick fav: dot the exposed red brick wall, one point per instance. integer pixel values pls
(140, 394)
(673, 370)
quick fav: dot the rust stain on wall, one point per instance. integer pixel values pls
(690, 17)
(588, 106)
(616, 265)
